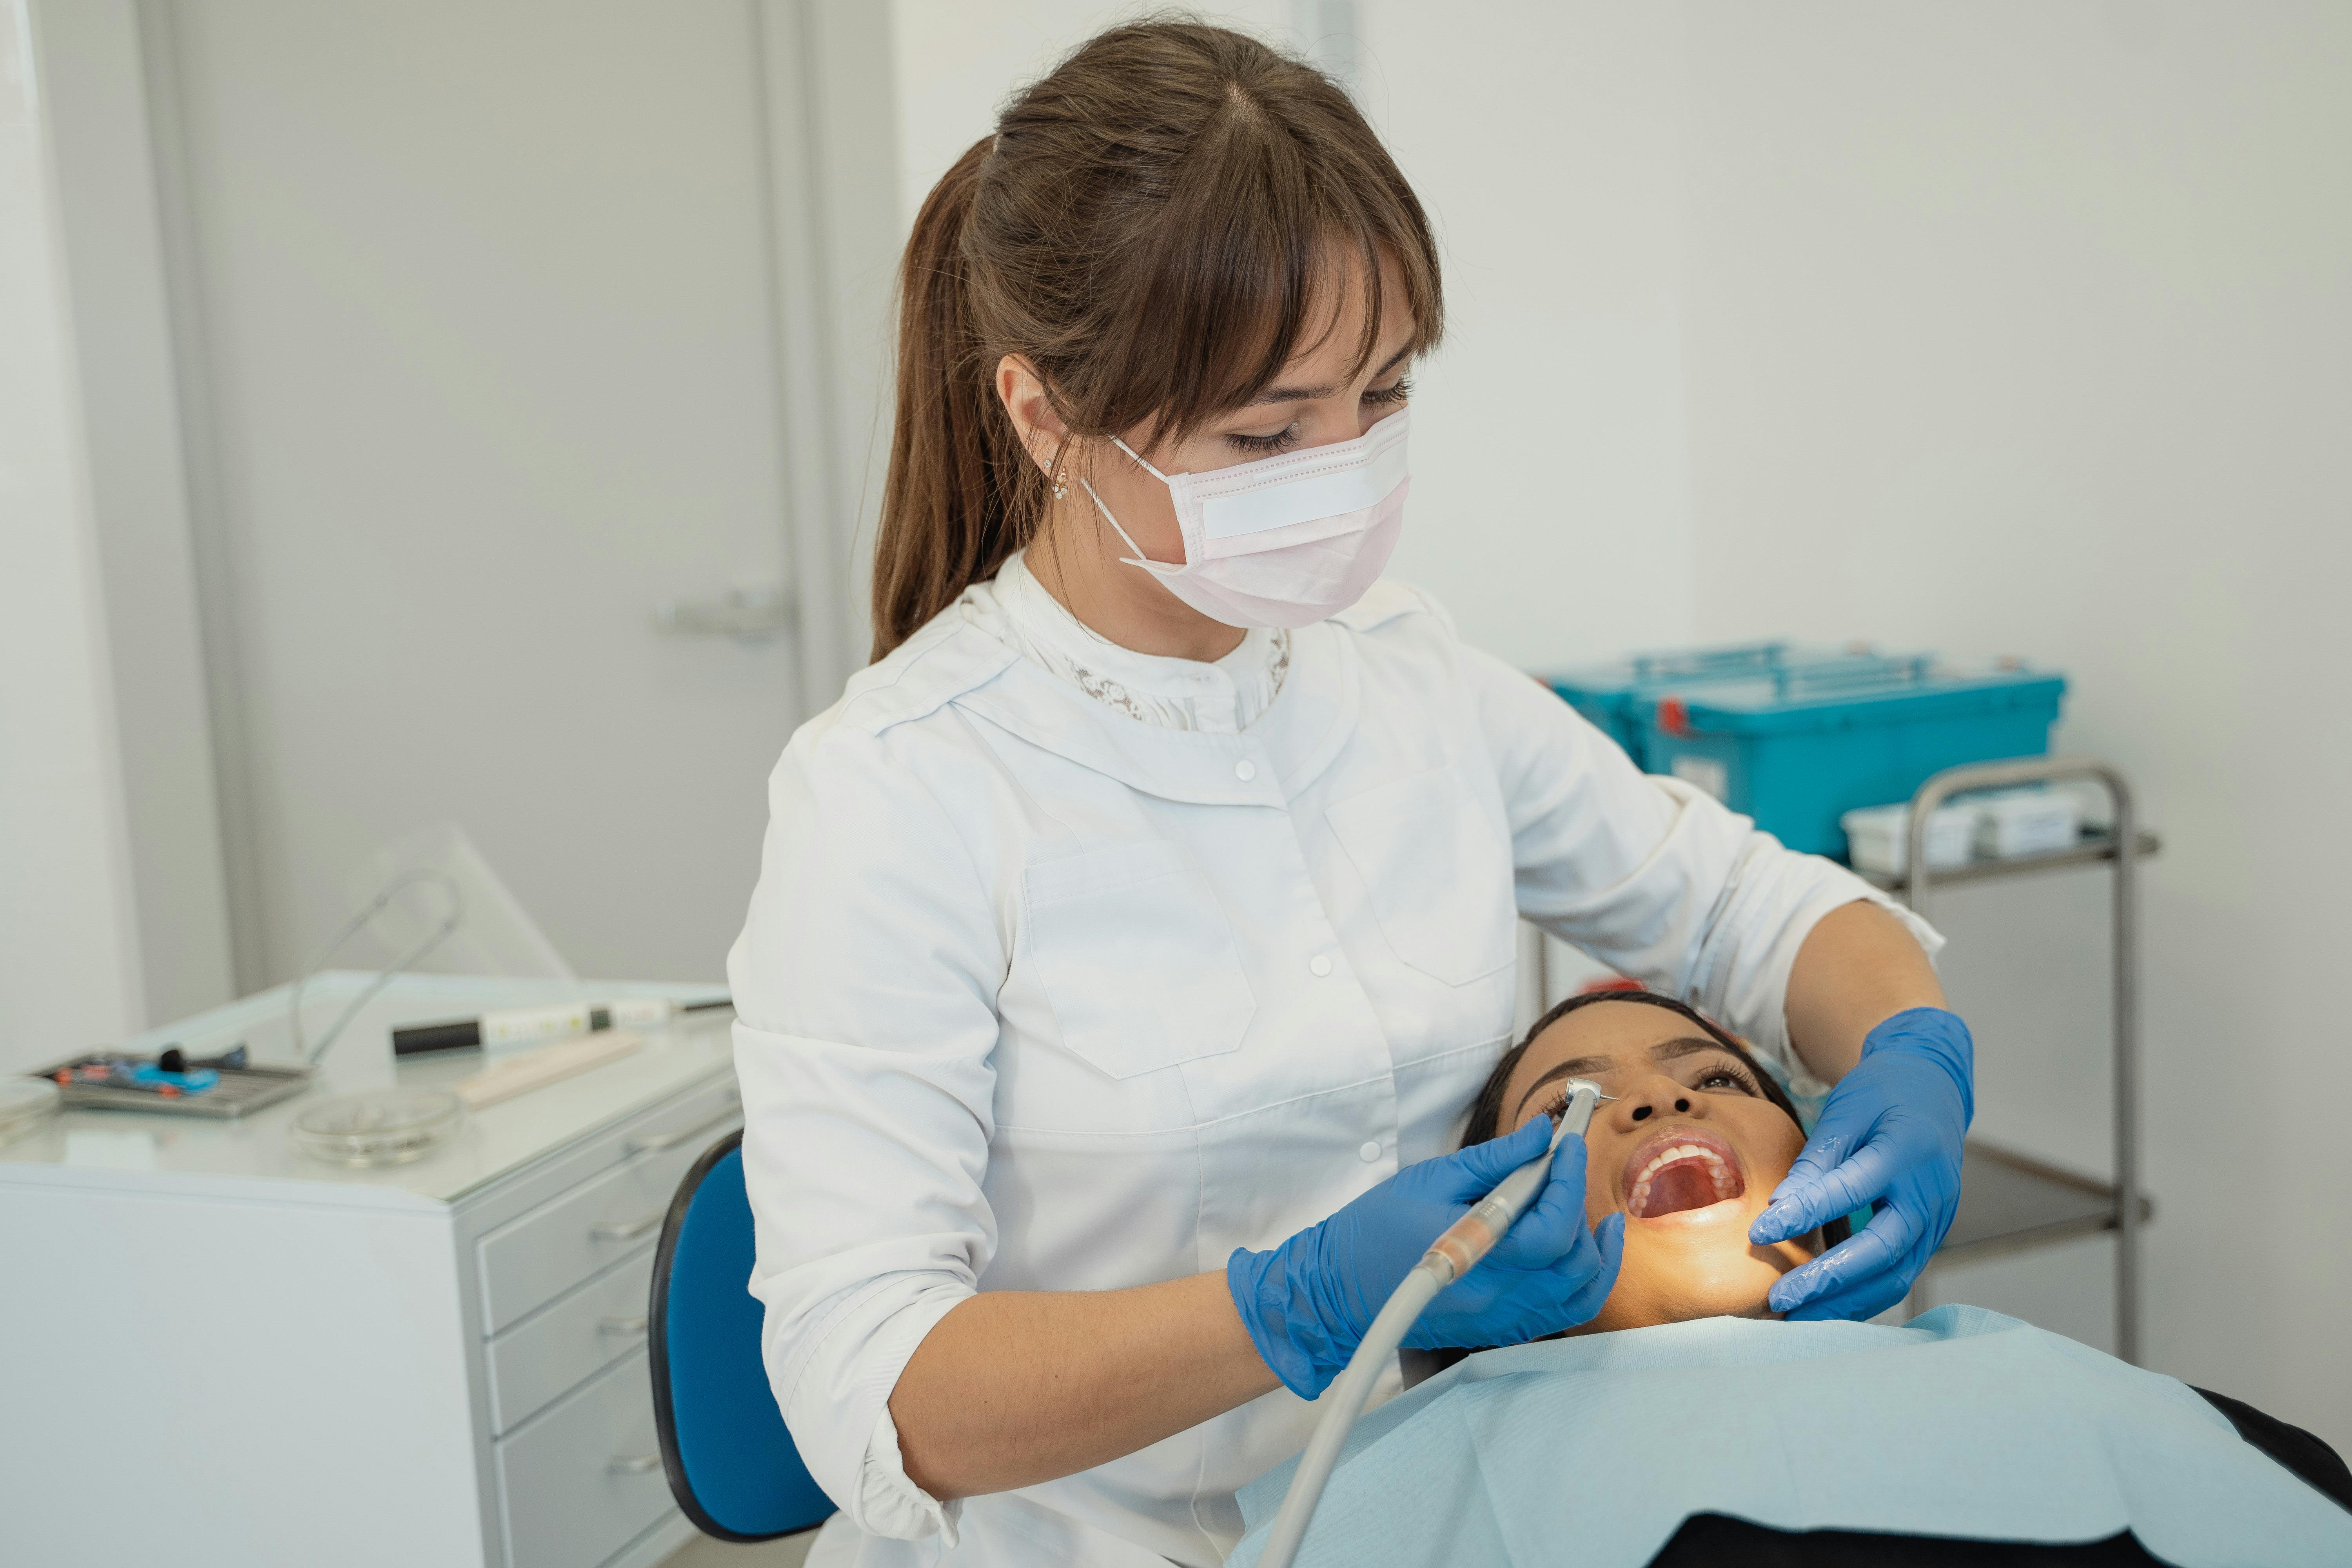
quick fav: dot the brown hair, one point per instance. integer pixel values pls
(1148, 224)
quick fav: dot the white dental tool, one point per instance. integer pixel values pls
(530, 1025)
(1452, 1255)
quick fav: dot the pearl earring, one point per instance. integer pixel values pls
(1062, 484)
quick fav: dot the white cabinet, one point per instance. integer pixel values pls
(535, 1364)
(586, 1473)
(535, 1257)
(437, 1363)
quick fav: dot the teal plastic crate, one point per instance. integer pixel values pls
(1794, 749)
(1612, 695)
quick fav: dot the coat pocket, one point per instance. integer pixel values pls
(1437, 867)
(1137, 960)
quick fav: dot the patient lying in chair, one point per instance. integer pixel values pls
(1683, 1425)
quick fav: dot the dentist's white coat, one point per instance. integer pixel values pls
(1036, 995)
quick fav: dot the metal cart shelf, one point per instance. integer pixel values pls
(2008, 1201)
(2093, 848)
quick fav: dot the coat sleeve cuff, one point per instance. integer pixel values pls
(891, 1505)
(836, 1396)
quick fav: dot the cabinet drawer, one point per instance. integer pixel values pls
(569, 1338)
(584, 1479)
(535, 1257)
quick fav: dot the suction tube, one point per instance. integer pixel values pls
(1452, 1255)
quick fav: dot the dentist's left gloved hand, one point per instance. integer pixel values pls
(1889, 1136)
(1307, 1302)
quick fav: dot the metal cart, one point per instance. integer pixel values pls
(2009, 1202)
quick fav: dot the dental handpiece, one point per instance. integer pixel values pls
(1452, 1255)
(1472, 1236)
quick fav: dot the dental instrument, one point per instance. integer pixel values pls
(529, 1025)
(1449, 1257)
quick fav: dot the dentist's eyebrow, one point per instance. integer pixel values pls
(1309, 393)
(1579, 1066)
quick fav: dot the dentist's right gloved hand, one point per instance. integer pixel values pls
(1307, 1302)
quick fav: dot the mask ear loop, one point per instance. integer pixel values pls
(1157, 568)
(1132, 452)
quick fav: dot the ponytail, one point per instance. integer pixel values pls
(1148, 226)
(951, 505)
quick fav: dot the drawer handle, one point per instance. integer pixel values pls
(661, 1141)
(636, 1325)
(634, 1464)
(628, 1230)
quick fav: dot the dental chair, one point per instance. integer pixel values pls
(732, 1464)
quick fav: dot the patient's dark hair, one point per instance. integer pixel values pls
(1486, 1110)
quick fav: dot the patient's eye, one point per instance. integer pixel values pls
(1723, 1076)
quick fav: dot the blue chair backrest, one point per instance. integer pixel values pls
(732, 1464)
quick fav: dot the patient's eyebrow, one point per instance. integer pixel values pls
(1665, 1051)
(1688, 1045)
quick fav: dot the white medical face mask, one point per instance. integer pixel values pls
(1284, 541)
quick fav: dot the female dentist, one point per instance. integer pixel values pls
(1132, 936)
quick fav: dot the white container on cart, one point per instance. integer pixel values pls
(1878, 838)
(2014, 823)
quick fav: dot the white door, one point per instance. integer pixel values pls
(490, 364)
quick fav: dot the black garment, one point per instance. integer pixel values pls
(2292, 1446)
(1718, 1541)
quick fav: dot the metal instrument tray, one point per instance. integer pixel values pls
(240, 1089)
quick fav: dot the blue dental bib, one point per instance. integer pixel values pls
(1961, 1423)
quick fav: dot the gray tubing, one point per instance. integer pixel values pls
(1344, 1400)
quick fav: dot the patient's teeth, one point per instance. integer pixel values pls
(1684, 1152)
(1721, 1173)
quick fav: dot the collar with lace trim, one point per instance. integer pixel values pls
(1221, 698)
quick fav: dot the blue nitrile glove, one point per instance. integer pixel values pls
(1308, 1301)
(1889, 1136)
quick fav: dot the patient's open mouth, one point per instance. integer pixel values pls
(1680, 1168)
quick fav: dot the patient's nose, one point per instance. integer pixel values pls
(1656, 1095)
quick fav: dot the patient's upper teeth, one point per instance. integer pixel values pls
(1666, 1157)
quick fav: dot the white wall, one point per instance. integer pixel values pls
(1549, 438)
(2018, 327)
(69, 941)
(2027, 326)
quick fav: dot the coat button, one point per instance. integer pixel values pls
(1319, 964)
(1245, 769)
(1368, 1152)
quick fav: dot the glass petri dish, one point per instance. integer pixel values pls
(377, 1127)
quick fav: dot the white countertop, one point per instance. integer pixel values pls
(252, 1156)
